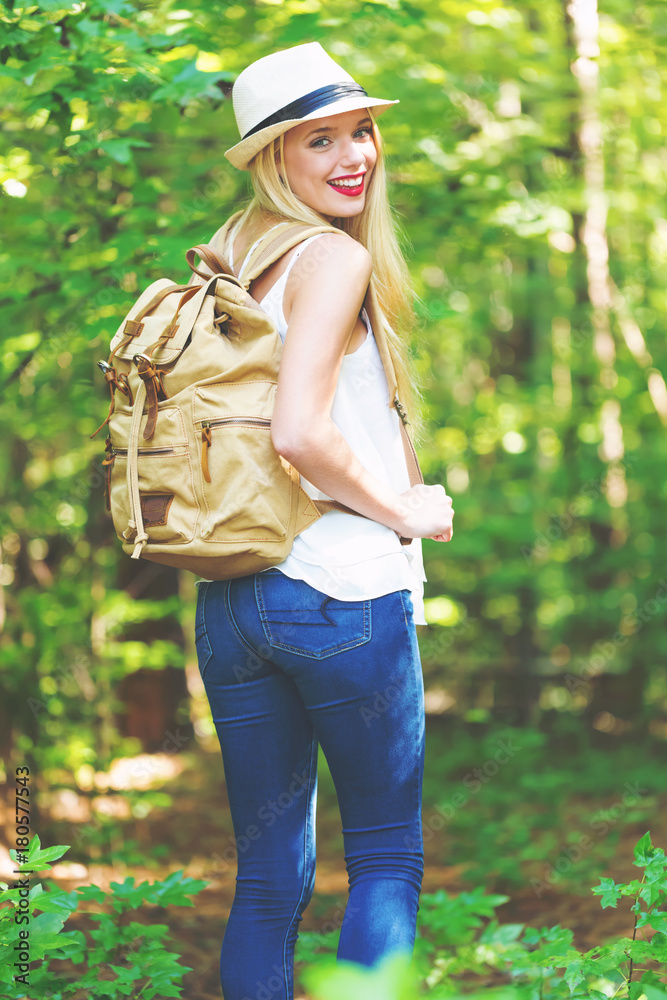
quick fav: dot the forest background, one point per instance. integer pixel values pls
(528, 173)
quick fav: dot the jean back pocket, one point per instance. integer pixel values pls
(300, 619)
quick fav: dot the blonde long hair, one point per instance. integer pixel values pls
(376, 229)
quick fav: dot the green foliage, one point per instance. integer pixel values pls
(452, 957)
(453, 921)
(568, 811)
(393, 979)
(118, 958)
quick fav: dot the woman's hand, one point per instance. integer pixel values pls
(430, 513)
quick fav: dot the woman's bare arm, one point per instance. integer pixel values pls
(330, 285)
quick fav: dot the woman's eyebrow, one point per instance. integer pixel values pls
(331, 128)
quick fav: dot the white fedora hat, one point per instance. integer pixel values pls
(295, 85)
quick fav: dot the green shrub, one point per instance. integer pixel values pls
(450, 951)
(119, 958)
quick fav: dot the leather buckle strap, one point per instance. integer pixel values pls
(205, 445)
(110, 458)
(216, 263)
(152, 379)
(114, 381)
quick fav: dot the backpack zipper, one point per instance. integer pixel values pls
(248, 421)
(206, 440)
(144, 451)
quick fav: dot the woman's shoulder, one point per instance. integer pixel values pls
(331, 264)
(339, 250)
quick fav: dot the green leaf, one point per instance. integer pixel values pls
(656, 919)
(650, 894)
(120, 150)
(639, 951)
(658, 945)
(643, 850)
(496, 933)
(91, 892)
(58, 901)
(574, 975)
(654, 992)
(37, 858)
(394, 978)
(609, 891)
(175, 889)
(47, 923)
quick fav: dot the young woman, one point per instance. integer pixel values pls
(322, 649)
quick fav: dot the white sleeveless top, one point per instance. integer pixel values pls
(345, 556)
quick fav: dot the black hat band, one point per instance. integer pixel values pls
(310, 102)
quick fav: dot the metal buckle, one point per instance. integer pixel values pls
(401, 412)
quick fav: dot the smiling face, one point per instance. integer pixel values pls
(325, 150)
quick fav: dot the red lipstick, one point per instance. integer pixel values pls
(348, 190)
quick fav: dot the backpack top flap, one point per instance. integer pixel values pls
(162, 318)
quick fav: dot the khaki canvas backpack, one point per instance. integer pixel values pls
(193, 480)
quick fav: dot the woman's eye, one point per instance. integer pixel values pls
(314, 145)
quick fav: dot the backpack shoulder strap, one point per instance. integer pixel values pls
(219, 238)
(376, 317)
(276, 243)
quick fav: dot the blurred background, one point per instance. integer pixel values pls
(528, 173)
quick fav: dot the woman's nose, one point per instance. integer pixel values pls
(350, 165)
(353, 157)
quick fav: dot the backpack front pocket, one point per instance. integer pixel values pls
(247, 490)
(166, 490)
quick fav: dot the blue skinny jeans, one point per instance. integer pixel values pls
(287, 668)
